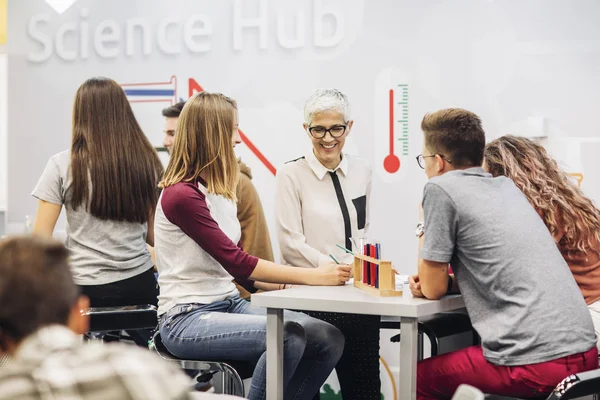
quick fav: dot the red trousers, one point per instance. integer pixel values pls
(439, 377)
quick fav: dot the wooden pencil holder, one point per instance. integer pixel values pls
(386, 277)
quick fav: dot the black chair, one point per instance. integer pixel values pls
(232, 372)
(435, 327)
(107, 323)
(578, 385)
(105, 319)
(572, 387)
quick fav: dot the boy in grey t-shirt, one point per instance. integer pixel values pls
(522, 299)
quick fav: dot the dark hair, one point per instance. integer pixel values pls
(36, 286)
(456, 134)
(110, 153)
(174, 111)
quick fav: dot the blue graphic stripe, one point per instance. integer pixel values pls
(149, 92)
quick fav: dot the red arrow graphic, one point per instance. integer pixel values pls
(194, 87)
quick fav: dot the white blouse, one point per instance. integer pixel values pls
(317, 208)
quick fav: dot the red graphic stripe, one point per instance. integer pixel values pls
(173, 82)
(195, 87)
(257, 153)
(173, 78)
(151, 101)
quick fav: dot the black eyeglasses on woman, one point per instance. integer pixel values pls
(319, 132)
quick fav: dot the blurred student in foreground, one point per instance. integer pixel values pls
(40, 320)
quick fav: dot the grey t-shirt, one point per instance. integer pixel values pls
(519, 292)
(102, 251)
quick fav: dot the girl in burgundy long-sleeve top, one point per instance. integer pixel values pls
(196, 240)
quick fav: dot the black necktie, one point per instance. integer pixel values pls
(340, 196)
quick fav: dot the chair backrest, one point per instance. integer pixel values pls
(575, 386)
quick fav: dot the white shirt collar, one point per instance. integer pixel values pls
(320, 170)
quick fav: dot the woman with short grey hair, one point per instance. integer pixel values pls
(322, 200)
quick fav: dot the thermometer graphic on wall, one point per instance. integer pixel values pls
(391, 162)
(391, 124)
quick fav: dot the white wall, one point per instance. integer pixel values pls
(3, 137)
(506, 60)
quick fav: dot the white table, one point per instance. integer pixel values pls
(348, 299)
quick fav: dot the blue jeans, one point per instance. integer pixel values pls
(233, 329)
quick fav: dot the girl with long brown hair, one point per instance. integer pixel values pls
(571, 217)
(198, 250)
(107, 182)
